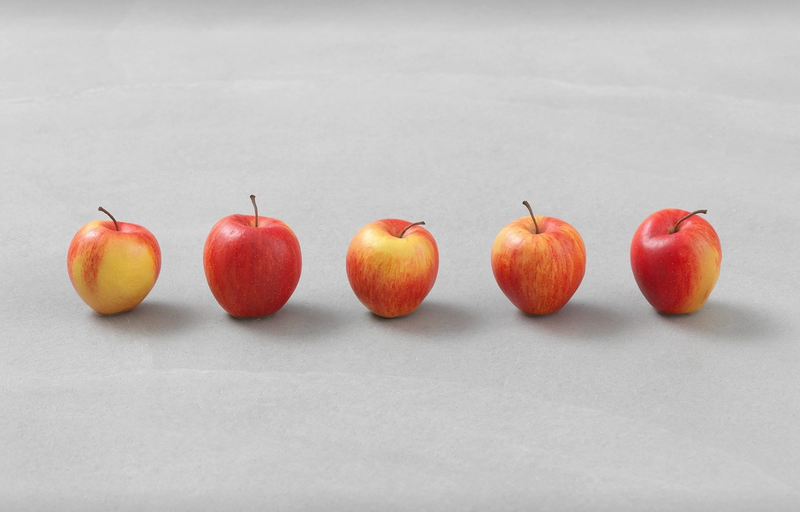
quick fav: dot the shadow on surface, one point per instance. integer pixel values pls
(727, 320)
(581, 320)
(302, 322)
(429, 319)
(149, 317)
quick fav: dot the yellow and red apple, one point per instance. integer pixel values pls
(675, 258)
(538, 262)
(252, 264)
(392, 265)
(113, 265)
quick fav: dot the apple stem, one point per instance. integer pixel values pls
(420, 223)
(101, 209)
(255, 206)
(675, 227)
(535, 225)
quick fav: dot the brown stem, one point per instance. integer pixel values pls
(420, 223)
(675, 227)
(255, 206)
(535, 225)
(101, 209)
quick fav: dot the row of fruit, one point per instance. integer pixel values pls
(253, 263)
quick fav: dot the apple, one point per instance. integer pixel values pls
(392, 265)
(675, 257)
(113, 265)
(538, 262)
(252, 264)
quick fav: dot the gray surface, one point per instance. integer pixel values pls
(337, 116)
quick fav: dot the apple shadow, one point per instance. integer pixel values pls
(148, 318)
(582, 320)
(297, 321)
(429, 319)
(727, 320)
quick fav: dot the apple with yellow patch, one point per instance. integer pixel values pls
(675, 258)
(113, 265)
(392, 265)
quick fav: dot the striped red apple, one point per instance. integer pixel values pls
(392, 265)
(538, 262)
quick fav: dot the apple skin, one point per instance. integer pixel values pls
(252, 271)
(391, 276)
(675, 271)
(113, 271)
(538, 273)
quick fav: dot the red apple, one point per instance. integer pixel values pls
(113, 265)
(392, 265)
(538, 262)
(675, 257)
(252, 264)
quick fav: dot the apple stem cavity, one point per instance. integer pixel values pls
(420, 223)
(675, 227)
(255, 206)
(101, 209)
(535, 224)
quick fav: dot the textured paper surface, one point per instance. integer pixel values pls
(335, 116)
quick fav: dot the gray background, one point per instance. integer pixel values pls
(336, 115)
